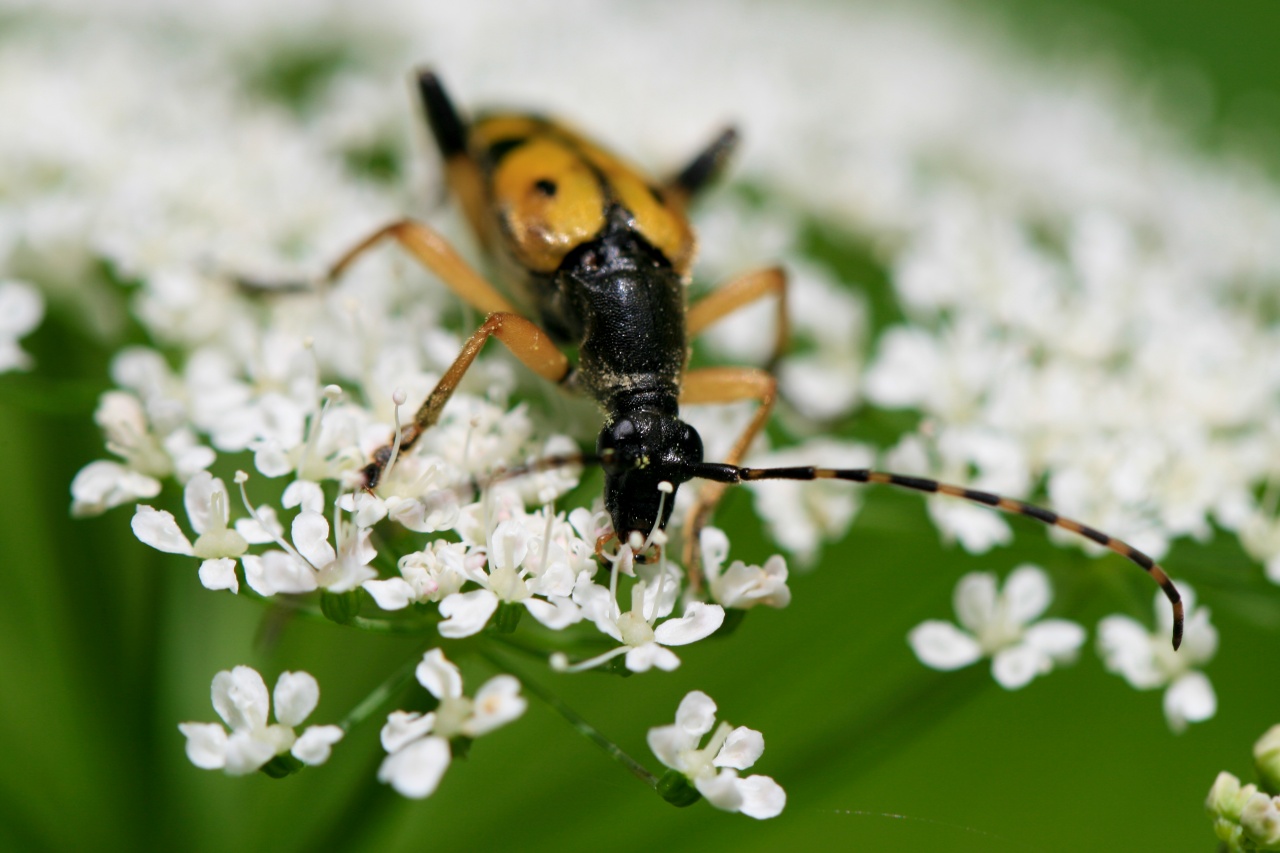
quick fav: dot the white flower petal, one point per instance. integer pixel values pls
(159, 529)
(643, 658)
(696, 714)
(762, 798)
(741, 749)
(1200, 637)
(316, 744)
(941, 645)
(976, 528)
(101, 485)
(305, 494)
(975, 600)
(1060, 639)
(1125, 647)
(668, 742)
(271, 458)
(296, 696)
(416, 770)
(257, 532)
(1016, 666)
(1190, 699)
(311, 538)
(21, 308)
(198, 498)
(277, 572)
(240, 698)
(497, 703)
(557, 614)
(466, 613)
(403, 727)
(1026, 593)
(219, 574)
(700, 620)
(390, 594)
(510, 545)
(721, 790)
(246, 753)
(715, 549)
(439, 675)
(206, 744)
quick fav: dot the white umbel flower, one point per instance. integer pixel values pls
(1146, 660)
(240, 698)
(999, 624)
(217, 545)
(713, 767)
(418, 744)
(742, 586)
(643, 641)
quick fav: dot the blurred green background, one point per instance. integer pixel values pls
(106, 645)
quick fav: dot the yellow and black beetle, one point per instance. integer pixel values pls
(600, 256)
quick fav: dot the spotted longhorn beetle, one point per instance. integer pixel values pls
(600, 256)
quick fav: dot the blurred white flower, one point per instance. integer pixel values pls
(148, 454)
(740, 585)
(1147, 661)
(240, 698)
(1000, 625)
(21, 310)
(801, 516)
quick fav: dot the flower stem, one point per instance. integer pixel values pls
(311, 609)
(583, 727)
(380, 694)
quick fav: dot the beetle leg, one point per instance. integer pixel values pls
(526, 341)
(740, 292)
(722, 385)
(433, 252)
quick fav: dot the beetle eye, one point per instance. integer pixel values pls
(613, 444)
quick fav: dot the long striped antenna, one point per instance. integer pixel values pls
(737, 474)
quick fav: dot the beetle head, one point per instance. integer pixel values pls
(639, 450)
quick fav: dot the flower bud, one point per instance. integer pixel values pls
(674, 787)
(1260, 818)
(1266, 757)
(1225, 802)
(1227, 797)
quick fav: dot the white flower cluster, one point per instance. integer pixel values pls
(1244, 818)
(1058, 257)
